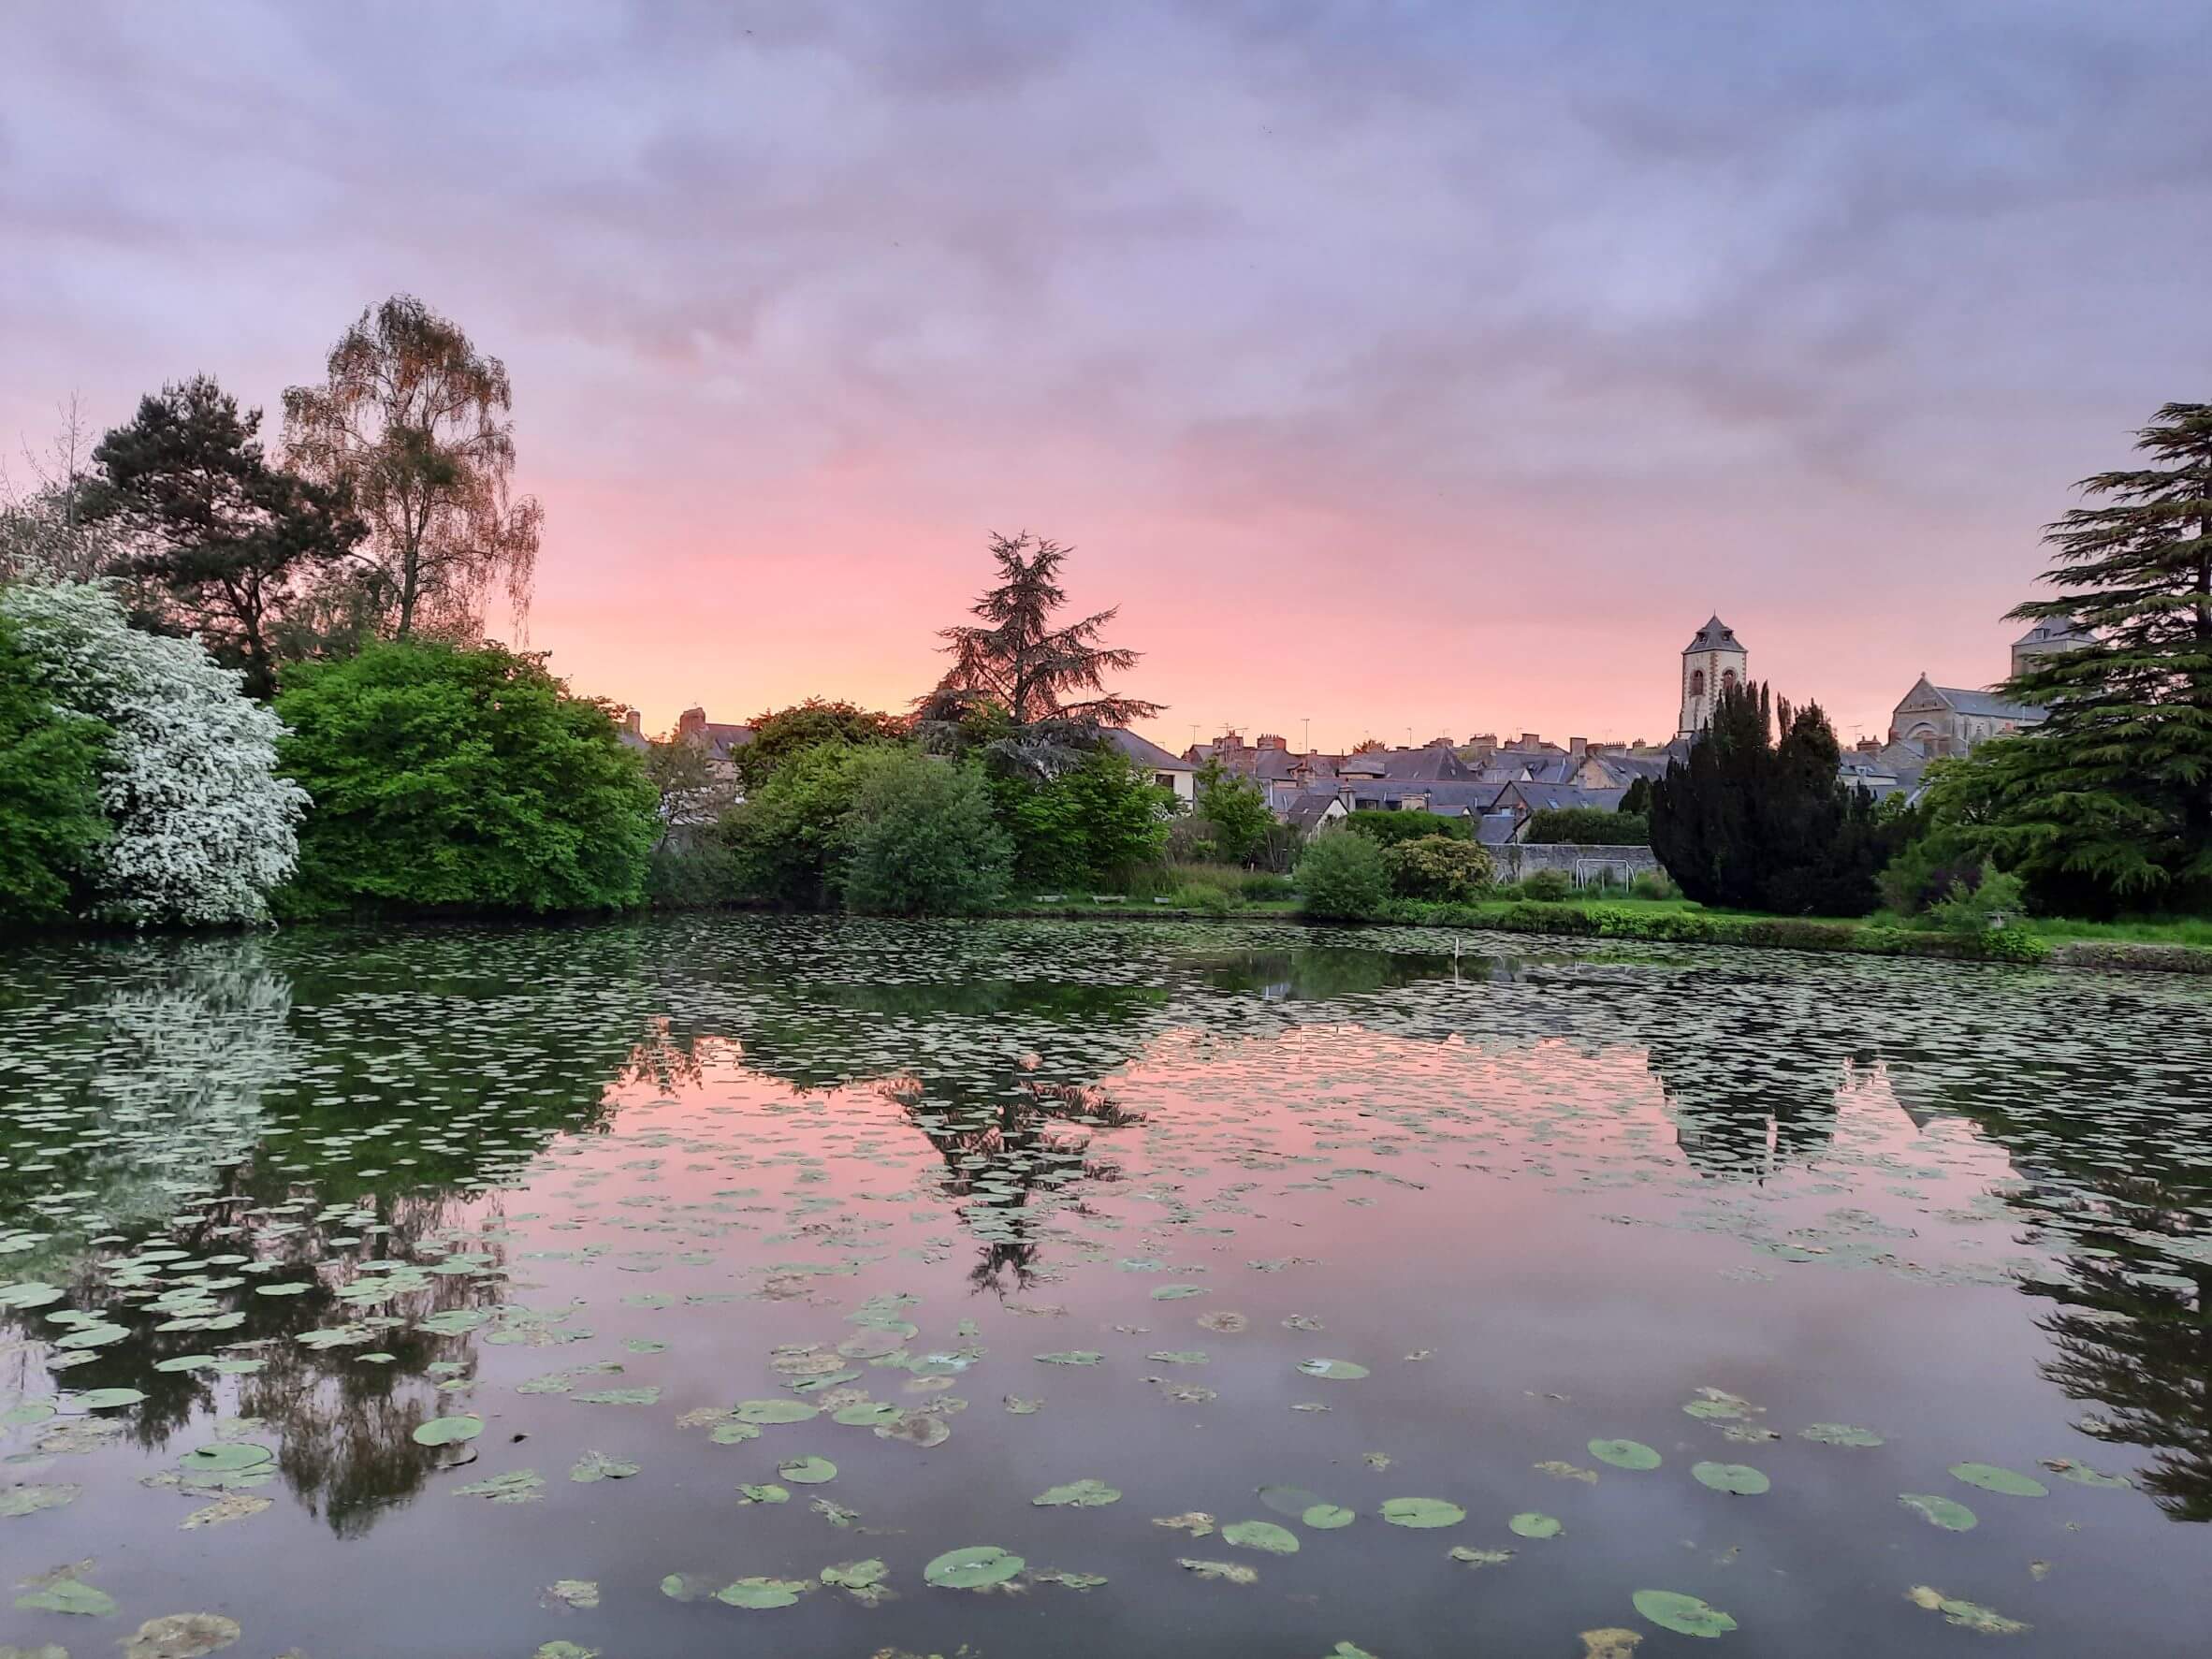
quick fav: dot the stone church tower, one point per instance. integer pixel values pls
(1709, 662)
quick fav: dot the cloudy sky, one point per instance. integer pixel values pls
(1401, 367)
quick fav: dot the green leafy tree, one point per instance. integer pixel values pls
(1755, 823)
(1438, 868)
(413, 419)
(2109, 801)
(694, 792)
(1342, 877)
(229, 544)
(447, 777)
(780, 733)
(1046, 679)
(51, 820)
(920, 839)
(788, 837)
(1237, 808)
(1090, 824)
(1636, 798)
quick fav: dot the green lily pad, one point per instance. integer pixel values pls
(1327, 1518)
(68, 1596)
(224, 1457)
(767, 1493)
(182, 1636)
(1624, 1454)
(105, 1399)
(1740, 1479)
(597, 1465)
(2082, 1475)
(976, 1567)
(2009, 1482)
(1947, 1513)
(763, 1592)
(775, 1411)
(1529, 1523)
(863, 1579)
(733, 1434)
(1686, 1615)
(1332, 1370)
(29, 1500)
(1422, 1512)
(1838, 1435)
(516, 1486)
(807, 1471)
(868, 1414)
(1261, 1535)
(1073, 1356)
(1080, 1494)
(448, 1431)
(1972, 1615)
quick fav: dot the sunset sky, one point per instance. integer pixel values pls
(1429, 368)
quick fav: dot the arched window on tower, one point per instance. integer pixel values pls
(1697, 682)
(1727, 679)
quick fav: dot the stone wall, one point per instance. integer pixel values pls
(1583, 863)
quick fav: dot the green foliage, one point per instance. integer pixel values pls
(788, 838)
(1237, 808)
(1546, 886)
(1589, 826)
(461, 779)
(1438, 867)
(2110, 799)
(49, 791)
(1636, 800)
(1759, 824)
(783, 734)
(1994, 899)
(920, 840)
(1390, 828)
(1092, 823)
(1653, 885)
(694, 792)
(696, 876)
(228, 544)
(1342, 877)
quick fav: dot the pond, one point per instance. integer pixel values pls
(820, 1287)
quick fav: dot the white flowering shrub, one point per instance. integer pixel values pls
(204, 827)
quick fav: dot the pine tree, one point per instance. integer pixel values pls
(1028, 673)
(2110, 799)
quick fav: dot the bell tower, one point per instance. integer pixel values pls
(1709, 662)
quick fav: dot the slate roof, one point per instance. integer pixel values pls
(1540, 798)
(2051, 632)
(1714, 636)
(1146, 752)
(1309, 809)
(1988, 704)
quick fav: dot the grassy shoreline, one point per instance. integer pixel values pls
(2155, 947)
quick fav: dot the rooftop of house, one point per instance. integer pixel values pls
(2057, 630)
(1983, 705)
(1146, 752)
(1542, 797)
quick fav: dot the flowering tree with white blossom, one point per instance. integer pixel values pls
(203, 825)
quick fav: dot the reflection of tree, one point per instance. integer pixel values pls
(1308, 974)
(1751, 1085)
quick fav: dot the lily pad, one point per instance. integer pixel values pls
(775, 1411)
(30, 1500)
(108, 1399)
(182, 1636)
(2009, 1482)
(1686, 1615)
(224, 1457)
(1624, 1454)
(1972, 1615)
(1947, 1513)
(68, 1596)
(1080, 1494)
(1739, 1479)
(763, 1592)
(807, 1471)
(768, 1493)
(1261, 1535)
(976, 1567)
(1838, 1435)
(1422, 1513)
(1332, 1370)
(1073, 1356)
(448, 1431)
(597, 1465)
(1529, 1523)
(1327, 1518)
(1224, 1572)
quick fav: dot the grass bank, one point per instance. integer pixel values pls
(2154, 946)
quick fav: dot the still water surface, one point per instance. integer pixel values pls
(471, 1292)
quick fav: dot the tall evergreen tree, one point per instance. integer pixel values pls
(2110, 799)
(226, 543)
(1755, 824)
(1017, 663)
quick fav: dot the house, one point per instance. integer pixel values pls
(2047, 638)
(722, 740)
(1168, 771)
(1524, 800)
(1316, 811)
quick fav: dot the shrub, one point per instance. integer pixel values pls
(1588, 826)
(49, 791)
(1344, 879)
(692, 876)
(921, 839)
(1653, 885)
(1094, 823)
(1237, 808)
(202, 828)
(788, 840)
(1994, 900)
(462, 779)
(1192, 840)
(1438, 867)
(1546, 886)
(1390, 828)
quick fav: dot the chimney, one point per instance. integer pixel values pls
(634, 722)
(1578, 746)
(691, 723)
(1530, 740)
(1269, 740)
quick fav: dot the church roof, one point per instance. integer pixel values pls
(1714, 636)
(2057, 630)
(1988, 703)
